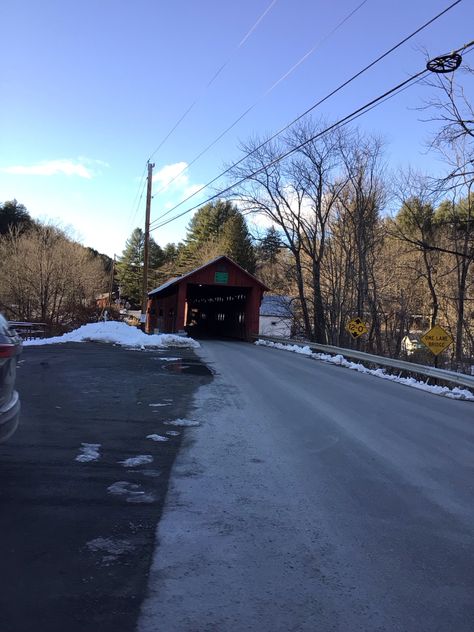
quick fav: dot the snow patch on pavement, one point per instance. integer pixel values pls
(112, 547)
(131, 492)
(88, 452)
(182, 422)
(155, 405)
(173, 433)
(117, 333)
(133, 461)
(339, 360)
(157, 437)
(151, 473)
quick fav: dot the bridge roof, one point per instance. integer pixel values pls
(197, 273)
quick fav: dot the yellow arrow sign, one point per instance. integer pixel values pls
(437, 340)
(356, 327)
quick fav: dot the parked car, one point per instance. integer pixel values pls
(10, 349)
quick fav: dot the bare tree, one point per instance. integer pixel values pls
(451, 109)
(296, 195)
(46, 276)
(454, 141)
(361, 202)
(415, 224)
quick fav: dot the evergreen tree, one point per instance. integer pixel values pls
(130, 265)
(14, 215)
(218, 228)
(235, 242)
(170, 253)
(208, 222)
(458, 216)
(270, 246)
(107, 262)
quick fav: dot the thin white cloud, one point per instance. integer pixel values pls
(258, 221)
(54, 168)
(192, 189)
(172, 175)
(174, 184)
(92, 161)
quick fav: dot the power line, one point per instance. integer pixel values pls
(265, 94)
(315, 47)
(353, 115)
(214, 77)
(138, 196)
(249, 33)
(350, 117)
(310, 109)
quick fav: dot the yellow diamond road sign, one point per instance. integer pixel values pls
(356, 327)
(437, 339)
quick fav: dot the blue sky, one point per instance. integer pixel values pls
(89, 90)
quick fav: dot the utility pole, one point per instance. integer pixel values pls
(111, 285)
(146, 244)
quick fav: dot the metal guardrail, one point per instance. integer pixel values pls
(27, 330)
(402, 365)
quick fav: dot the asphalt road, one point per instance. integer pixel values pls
(77, 537)
(313, 498)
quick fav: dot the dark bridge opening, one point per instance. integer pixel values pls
(214, 311)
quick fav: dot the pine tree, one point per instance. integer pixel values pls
(235, 242)
(208, 222)
(270, 246)
(130, 265)
(14, 215)
(218, 228)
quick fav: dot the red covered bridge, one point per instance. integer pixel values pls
(219, 299)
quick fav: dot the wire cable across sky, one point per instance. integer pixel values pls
(142, 181)
(344, 121)
(213, 78)
(269, 90)
(305, 113)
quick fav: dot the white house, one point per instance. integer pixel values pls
(276, 317)
(412, 343)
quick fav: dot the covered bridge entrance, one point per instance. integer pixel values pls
(219, 299)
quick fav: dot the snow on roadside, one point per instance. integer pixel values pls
(141, 459)
(182, 422)
(453, 393)
(132, 492)
(157, 437)
(88, 452)
(112, 548)
(116, 333)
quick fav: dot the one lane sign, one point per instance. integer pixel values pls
(437, 340)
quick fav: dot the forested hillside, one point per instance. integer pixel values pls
(45, 275)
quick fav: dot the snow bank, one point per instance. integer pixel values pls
(117, 333)
(453, 393)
